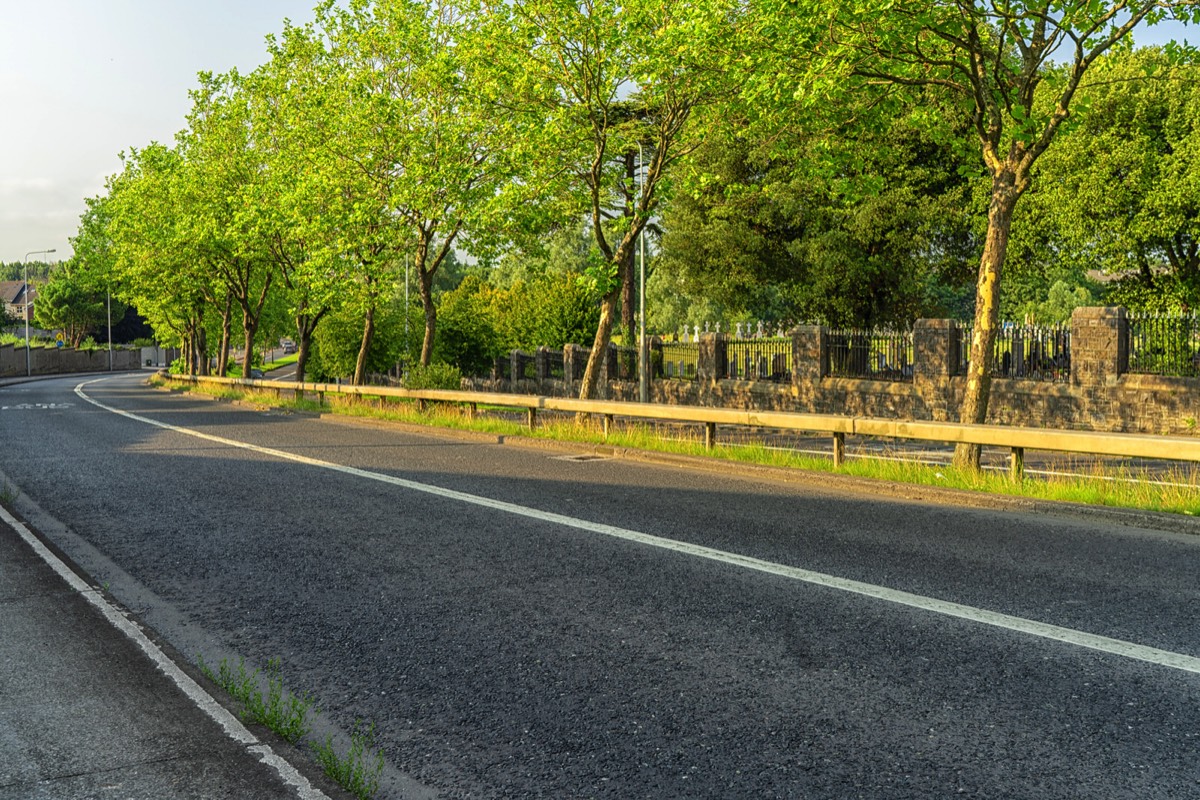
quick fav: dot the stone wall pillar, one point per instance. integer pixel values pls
(1099, 346)
(935, 349)
(936, 346)
(810, 354)
(712, 358)
(574, 363)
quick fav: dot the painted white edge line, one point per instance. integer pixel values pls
(1104, 644)
(233, 727)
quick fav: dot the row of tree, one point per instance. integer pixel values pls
(808, 157)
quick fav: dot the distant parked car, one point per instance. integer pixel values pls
(256, 373)
(289, 347)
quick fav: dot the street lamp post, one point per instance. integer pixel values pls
(643, 350)
(25, 260)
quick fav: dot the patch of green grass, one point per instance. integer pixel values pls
(8, 494)
(1108, 488)
(359, 769)
(278, 709)
(282, 361)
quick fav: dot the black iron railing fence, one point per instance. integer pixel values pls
(759, 360)
(677, 360)
(1164, 344)
(1024, 352)
(525, 366)
(882, 355)
(622, 363)
(555, 364)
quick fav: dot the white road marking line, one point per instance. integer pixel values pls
(1104, 644)
(233, 728)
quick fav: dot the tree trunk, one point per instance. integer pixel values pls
(226, 337)
(306, 325)
(360, 365)
(248, 357)
(589, 388)
(425, 288)
(202, 350)
(987, 313)
(590, 385)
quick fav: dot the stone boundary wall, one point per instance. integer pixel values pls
(55, 361)
(1101, 395)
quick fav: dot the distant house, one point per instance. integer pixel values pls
(18, 298)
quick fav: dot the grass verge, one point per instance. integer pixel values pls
(1177, 492)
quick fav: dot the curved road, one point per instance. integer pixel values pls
(517, 624)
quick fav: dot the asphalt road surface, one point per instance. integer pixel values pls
(520, 624)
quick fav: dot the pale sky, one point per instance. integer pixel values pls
(83, 80)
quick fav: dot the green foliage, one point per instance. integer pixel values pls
(433, 376)
(336, 343)
(478, 322)
(1056, 309)
(1162, 294)
(69, 304)
(772, 236)
(1118, 193)
(468, 319)
(550, 310)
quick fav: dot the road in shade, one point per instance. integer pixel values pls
(519, 623)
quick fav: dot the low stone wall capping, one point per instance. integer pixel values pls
(1100, 396)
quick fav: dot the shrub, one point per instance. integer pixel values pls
(434, 376)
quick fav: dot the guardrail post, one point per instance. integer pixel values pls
(710, 435)
(839, 449)
(532, 417)
(472, 410)
(609, 422)
(1017, 465)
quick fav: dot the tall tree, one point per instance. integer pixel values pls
(1017, 68)
(599, 79)
(156, 266)
(414, 163)
(222, 206)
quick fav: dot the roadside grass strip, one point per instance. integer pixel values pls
(1176, 492)
(1104, 644)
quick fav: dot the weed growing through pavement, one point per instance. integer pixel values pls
(280, 710)
(358, 771)
(8, 494)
